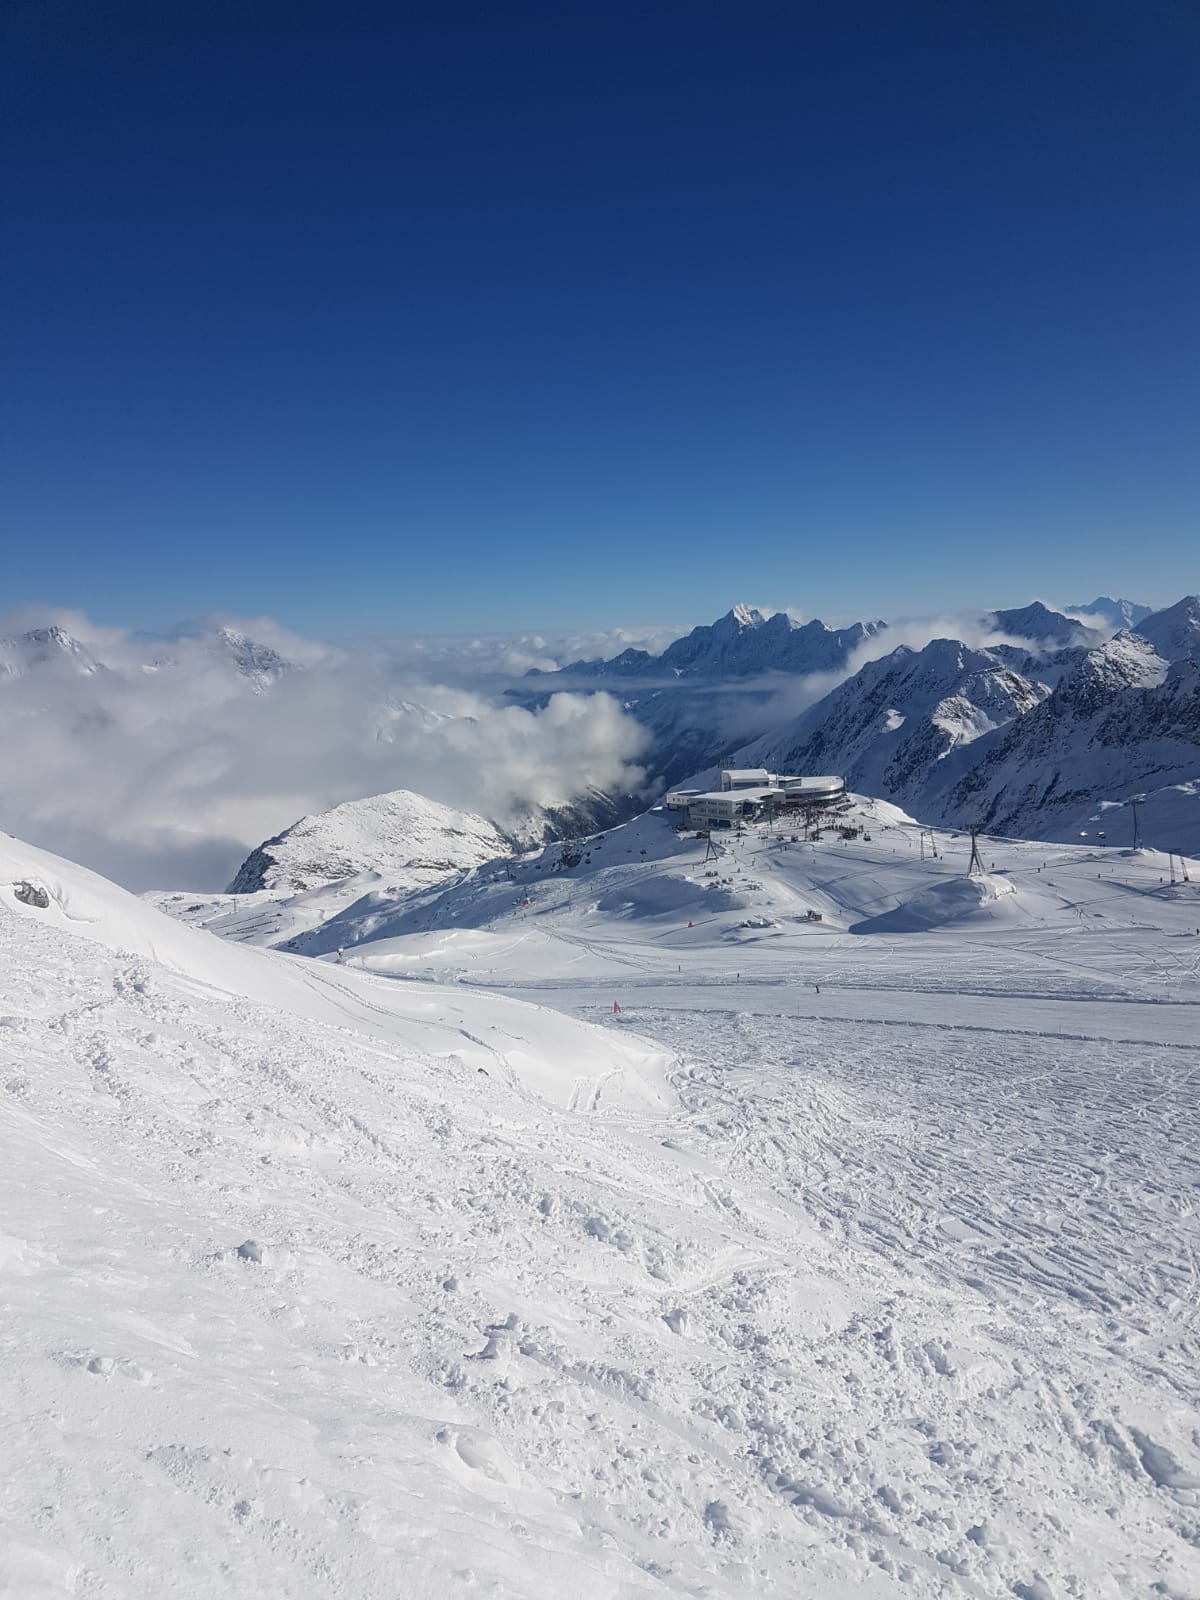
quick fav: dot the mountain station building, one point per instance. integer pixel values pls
(751, 795)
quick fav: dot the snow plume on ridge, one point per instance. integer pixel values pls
(164, 769)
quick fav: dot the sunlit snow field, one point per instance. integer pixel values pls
(849, 1258)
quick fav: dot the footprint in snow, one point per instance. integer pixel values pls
(104, 1366)
(481, 1454)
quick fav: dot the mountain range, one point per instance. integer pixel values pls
(1036, 722)
(1045, 732)
(1034, 730)
(742, 643)
(52, 649)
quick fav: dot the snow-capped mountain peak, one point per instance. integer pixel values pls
(45, 647)
(1041, 626)
(742, 616)
(1118, 614)
(259, 662)
(1175, 631)
(1126, 661)
(744, 643)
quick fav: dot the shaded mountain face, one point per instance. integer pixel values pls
(1124, 723)
(1175, 631)
(1042, 627)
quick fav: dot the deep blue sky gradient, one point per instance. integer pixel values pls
(394, 317)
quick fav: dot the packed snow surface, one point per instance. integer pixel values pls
(844, 1260)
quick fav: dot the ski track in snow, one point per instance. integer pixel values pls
(897, 1296)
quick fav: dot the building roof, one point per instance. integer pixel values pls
(737, 796)
(811, 785)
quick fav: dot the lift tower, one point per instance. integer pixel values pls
(976, 865)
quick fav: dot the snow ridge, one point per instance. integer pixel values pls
(401, 835)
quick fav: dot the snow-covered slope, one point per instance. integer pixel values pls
(1175, 632)
(887, 1293)
(899, 727)
(406, 837)
(305, 876)
(1038, 743)
(526, 1048)
(1121, 724)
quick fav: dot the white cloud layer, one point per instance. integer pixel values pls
(164, 765)
(476, 658)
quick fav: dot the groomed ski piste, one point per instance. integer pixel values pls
(848, 1257)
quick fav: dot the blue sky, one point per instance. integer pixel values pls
(396, 317)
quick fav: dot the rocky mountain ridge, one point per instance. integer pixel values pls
(742, 643)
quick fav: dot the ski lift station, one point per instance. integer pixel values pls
(750, 794)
